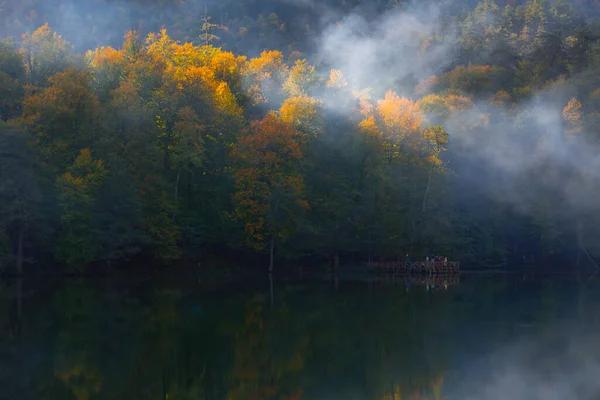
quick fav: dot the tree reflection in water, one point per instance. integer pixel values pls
(365, 340)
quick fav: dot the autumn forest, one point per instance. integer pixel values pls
(472, 134)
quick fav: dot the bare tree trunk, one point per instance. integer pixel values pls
(190, 188)
(20, 249)
(164, 385)
(271, 290)
(176, 190)
(272, 254)
(581, 246)
(20, 305)
(166, 158)
(177, 183)
(427, 188)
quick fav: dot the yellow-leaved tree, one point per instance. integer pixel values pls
(303, 79)
(304, 112)
(45, 53)
(265, 76)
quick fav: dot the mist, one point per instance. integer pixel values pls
(94, 23)
(563, 365)
(383, 53)
(521, 162)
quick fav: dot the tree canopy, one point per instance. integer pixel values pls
(165, 145)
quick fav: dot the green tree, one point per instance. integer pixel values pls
(12, 80)
(20, 196)
(78, 197)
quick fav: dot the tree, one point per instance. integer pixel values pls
(579, 51)
(20, 195)
(78, 197)
(207, 36)
(438, 138)
(63, 117)
(265, 76)
(269, 186)
(302, 80)
(108, 66)
(12, 80)
(573, 116)
(440, 109)
(406, 163)
(549, 57)
(45, 53)
(334, 169)
(473, 79)
(304, 112)
(479, 29)
(121, 231)
(400, 122)
(135, 140)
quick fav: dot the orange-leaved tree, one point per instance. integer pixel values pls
(269, 185)
(63, 117)
(573, 116)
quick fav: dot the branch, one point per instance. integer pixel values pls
(588, 256)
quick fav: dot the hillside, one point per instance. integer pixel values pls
(316, 132)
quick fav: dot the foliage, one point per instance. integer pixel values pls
(269, 186)
(572, 115)
(78, 191)
(168, 142)
(45, 53)
(12, 80)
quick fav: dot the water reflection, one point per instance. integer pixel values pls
(338, 338)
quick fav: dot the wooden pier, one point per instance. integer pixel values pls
(417, 267)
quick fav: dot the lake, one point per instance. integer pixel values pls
(473, 337)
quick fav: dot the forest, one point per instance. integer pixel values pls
(342, 132)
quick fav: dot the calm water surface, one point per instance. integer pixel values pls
(494, 337)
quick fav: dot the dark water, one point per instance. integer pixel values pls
(491, 337)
